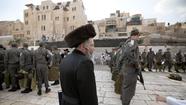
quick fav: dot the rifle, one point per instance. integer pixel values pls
(140, 78)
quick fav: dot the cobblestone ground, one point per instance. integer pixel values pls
(156, 83)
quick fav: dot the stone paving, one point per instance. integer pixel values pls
(156, 83)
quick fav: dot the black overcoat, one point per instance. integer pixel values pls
(78, 79)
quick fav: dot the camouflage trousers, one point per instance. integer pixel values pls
(118, 84)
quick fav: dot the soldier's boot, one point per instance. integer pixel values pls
(55, 82)
(39, 92)
(47, 90)
(13, 89)
(27, 90)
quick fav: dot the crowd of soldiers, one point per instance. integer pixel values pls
(34, 67)
(149, 61)
(160, 61)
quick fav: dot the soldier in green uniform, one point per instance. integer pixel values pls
(26, 64)
(179, 61)
(129, 66)
(2, 68)
(159, 60)
(42, 59)
(150, 59)
(12, 65)
(143, 60)
(112, 55)
(184, 63)
(168, 60)
(56, 59)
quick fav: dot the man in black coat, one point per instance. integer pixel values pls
(77, 70)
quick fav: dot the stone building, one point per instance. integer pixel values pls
(177, 30)
(52, 21)
(114, 26)
(152, 26)
(6, 28)
(14, 28)
(18, 29)
(135, 21)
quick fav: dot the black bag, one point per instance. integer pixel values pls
(60, 95)
(175, 77)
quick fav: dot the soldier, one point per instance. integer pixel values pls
(150, 59)
(26, 64)
(159, 60)
(2, 68)
(56, 59)
(129, 66)
(113, 53)
(12, 65)
(179, 61)
(168, 60)
(42, 59)
(143, 60)
(77, 69)
(184, 63)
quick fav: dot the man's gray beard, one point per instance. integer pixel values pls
(90, 56)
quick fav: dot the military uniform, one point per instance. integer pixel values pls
(2, 68)
(112, 61)
(179, 62)
(26, 64)
(143, 60)
(184, 63)
(12, 64)
(56, 59)
(159, 60)
(129, 63)
(150, 59)
(42, 59)
(168, 60)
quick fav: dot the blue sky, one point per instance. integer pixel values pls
(164, 10)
